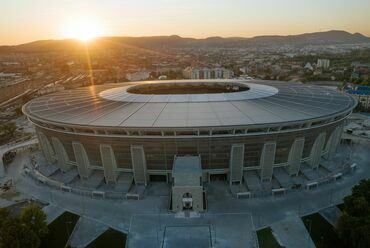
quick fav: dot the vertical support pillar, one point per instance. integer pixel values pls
(46, 147)
(333, 142)
(82, 159)
(316, 150)
(236, 163)
(109, 163)
(2, 167)
(267, 160)
(139, 164)
(295, 156)
(61, 154)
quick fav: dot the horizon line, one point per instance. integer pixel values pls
(186, 37)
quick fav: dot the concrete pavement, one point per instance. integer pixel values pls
(120, 214)
(292, 233)
(85, 232)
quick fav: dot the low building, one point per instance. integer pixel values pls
(362, 94)
(323, 63)
(138, 76)
(207, 73)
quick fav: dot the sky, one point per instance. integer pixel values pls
(28, 20)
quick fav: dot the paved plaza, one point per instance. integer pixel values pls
(230, 221)
(291, 232)
(86, 231)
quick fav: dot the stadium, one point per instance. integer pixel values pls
(253, 134)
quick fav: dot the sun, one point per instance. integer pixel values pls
(84, 29)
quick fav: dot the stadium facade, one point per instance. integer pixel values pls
(233, 126)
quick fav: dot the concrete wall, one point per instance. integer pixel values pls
(295, 156)
(317, 149)
(236, 163)
(216, 152)
(46, 147)
(61, 154)
(333, 142)
(267, 160)
(81, 159)
(139, 164)
(109, 163)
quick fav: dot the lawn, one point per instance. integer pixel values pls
(110, 238)
(322, 232)
(59, 231)
(266, 239)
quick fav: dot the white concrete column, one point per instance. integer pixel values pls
(109, 163)
(295, 156)
(82, 160)
(2, 167)
(267, 160)
(46, 147)
(139, 164)
(333, 142)
(316, 150)
(236, 163)
(61, 154)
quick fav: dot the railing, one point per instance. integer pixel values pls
(40, 178)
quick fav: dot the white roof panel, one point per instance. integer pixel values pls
(263, 102)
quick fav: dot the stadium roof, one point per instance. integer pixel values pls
(264, 102)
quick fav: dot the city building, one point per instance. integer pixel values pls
(308, 66)
(323, 63)
(138, 76)
(207, 73)
(188, 132)
(362, 94)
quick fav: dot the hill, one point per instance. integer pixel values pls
(174, 41)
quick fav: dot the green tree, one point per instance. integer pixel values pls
(35, 219)
(15, 234)
(353, 226)
(7, 130)
(24, 231)
(4, 215)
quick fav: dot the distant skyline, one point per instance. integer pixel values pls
(23, 21)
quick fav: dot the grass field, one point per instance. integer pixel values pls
(266, 239)
(110, 238)
(59, 231)
(321, 231)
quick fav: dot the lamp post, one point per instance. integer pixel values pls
(309, 221)
(67, 227)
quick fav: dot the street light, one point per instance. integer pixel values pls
(322, 241)
(67, 229)
(309, 228)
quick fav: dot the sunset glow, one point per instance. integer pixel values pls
(83, 29)
(86, 19)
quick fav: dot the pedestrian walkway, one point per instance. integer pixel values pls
(292, 233)
(52, 212)
(331, 214)
(206, 230)
(86, 231)
(13, 146)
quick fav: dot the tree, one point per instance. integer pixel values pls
(24, 231)
(4, 215)
(35, 219)
(353, 226)
(15, 234)
(7, 131)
